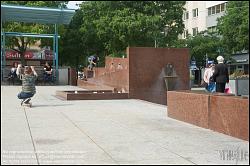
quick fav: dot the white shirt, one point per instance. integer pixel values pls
(207, 74)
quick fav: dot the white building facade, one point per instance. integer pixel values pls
(201, 15)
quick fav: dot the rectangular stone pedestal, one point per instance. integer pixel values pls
(218, 112)
(91, 95)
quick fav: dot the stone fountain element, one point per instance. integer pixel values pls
(170, 77)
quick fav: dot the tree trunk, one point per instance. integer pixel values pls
(23, 61)
(22, 58)
(21, 50)
(77, 62)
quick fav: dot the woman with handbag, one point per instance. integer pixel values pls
(209, 84)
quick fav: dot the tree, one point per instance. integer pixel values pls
(204, 43)
(234, 26)
(72, 46)
(20, 44)
(138, 23)
(109, 27)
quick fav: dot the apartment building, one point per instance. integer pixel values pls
(201, 15)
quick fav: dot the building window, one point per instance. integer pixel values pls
(246, 69)
(239, 68)
(222, 7)
(209, 11)
(195, 31)
(212, 29)
(185, 34)
(195, 12)
(218, 9)
(213, 10)
(232, 69)
(187, 15)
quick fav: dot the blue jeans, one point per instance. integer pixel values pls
(47, 77)
(24, 95)
(211, 87)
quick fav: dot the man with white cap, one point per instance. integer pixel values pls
(220, 75)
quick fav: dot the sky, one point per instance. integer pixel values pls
(72, 4)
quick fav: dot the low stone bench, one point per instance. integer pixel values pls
(220, 112)
(91, 95)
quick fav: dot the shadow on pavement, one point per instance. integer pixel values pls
(51, 105)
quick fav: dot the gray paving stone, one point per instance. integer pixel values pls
(105, 132)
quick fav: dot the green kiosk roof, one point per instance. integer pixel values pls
(36, 14)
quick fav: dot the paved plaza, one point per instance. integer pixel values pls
(116, 132)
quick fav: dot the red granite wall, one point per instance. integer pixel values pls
(230, 115)
(72, 77)
(146, 71)
(99, 71)
(117, 73)
(114, 74)
(224, 114)
(188, 107)
(91, 95)
(142, 73)
(112, 64)
(117, 79)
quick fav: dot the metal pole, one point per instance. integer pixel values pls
(1, 49)
(54, 50)
(56, 30)
(206, 60)
(3, 56)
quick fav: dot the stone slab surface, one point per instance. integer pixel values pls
(116, 132)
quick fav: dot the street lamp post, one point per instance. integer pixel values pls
(165, 33)
(206, 59)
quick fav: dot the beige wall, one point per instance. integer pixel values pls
(201, 20)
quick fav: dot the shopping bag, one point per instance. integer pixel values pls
(228, 89)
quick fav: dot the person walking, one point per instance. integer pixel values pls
(220, 75)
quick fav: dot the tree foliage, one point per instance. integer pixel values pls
(203, 44)
(232, 35)
(234, 26)
(108, 27)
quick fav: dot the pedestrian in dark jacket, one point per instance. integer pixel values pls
(220, 75)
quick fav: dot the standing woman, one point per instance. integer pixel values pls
(220, 75)
(207, 75)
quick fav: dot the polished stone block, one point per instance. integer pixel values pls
(219, 112)
(188, 107)
(147, 69)
(230, 115)
(142, 73)
(91, 95)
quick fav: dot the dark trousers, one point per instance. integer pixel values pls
(220, 87)
(47, 77)
(23, 95)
